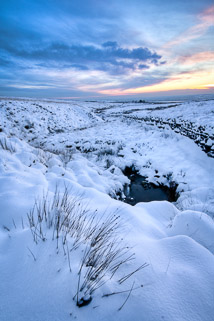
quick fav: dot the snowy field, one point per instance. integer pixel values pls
(69, 248)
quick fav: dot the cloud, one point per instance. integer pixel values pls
(4, 62)
(108, 57)
(192, 80)
(99, 45)
(112, 44)
(201, 57)
(206, 20)
(141, 66)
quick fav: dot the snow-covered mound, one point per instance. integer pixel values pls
(64, 242)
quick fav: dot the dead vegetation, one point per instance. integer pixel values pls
(74, 226)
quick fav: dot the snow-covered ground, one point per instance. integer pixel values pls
(61, 168)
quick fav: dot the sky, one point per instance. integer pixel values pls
(97, 48)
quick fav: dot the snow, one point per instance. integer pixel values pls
(84, 147)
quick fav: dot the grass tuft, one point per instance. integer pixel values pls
(73, 225)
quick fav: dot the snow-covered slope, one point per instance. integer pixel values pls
(59, 162)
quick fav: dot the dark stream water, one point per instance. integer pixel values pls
(140, 190)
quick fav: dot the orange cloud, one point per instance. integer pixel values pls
(183, 81)
(206, 19)
(205, 56)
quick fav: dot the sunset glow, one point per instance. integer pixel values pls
(183, 81)
(64, 50)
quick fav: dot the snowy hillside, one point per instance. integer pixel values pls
(70, 248)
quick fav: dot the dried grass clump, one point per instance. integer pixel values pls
(73, 225)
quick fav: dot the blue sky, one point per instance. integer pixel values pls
(72, 48)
